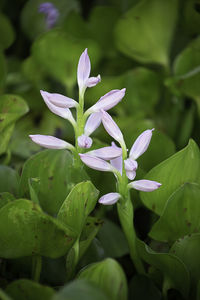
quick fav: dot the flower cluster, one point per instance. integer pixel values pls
(51, 13)
(119, 163)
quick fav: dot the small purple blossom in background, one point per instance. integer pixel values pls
(51, 13)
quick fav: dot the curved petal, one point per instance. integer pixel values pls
(84, 141)
(107, 153)
(58, 99)
(141, 144)
(131, 174)
(117, 162)
(96, 163)
(109, 199)
(130, 165)
(92, 81)
(83, 70)
(92, 123)
(111, 127)
(144, 185)
(108, 101)
(50, 142)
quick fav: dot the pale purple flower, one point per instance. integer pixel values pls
(84, 141)
(109, 199)
(83, 73)
(59, 100)
(107, 101)
(51, 13)
(118, 161)
(106, 153)
(141, 144)
(50, 142)
(92, 123)
(96, 163)
(111, 127)
(144, 185)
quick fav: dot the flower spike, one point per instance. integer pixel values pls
(109, 199)
(50, 142)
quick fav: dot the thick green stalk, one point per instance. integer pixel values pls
(36, 267)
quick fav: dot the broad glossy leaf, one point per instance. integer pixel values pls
(178, 169)
(5, 198)
(104, 274)
(145, 32)
(180, 216)
(78, 205)
(142, 287)
(25, 230)
(58, 53)
(24, 289)
(172, 267)
(9, 180)
(112, 239)
(12, 108)
(187, 72)
(33, 22)
(54, 169)
(80, 289)
(187, 249)
(7, 34)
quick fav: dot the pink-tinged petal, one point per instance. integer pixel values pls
(109, 199)
(144, 185)
(106, 153)
(131, 174)
(130, 164)
(59, 100)
(111, 127)
(92, 81)
(84, 141)
(141, 144)
(83, 70)
(117, 162)
(96, 163)
(92, 123)
(60, 111)
(108, 101)
(50, 142)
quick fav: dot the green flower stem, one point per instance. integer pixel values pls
(36, 267)
(125, 213)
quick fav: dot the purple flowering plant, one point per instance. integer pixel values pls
(122, 165)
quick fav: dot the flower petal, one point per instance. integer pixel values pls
(111, 127)
(144, 185)
(141, 144)
(106, 153)
(109, 199)
(117, 162)
(109, 100)
(59, 100)
(92, 123)
(83, 70)
(96, 163)
(131, 174)
(84, 141)
(92, 81)
(130, 164)
(60, 111)
(50, 142)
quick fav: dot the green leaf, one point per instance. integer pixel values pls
(142, 287)
(24, 289)
(9, 180)
(58, 53)
(145, 32)
(191, 12)
(104, 274)
(78, 205)
(7, 34)
(2, 72)
(12, 108)
(5, 198)
(113, 240)
(33, 22)
(80, 289)
(187, 249)
(187, 72)
(185, 202)
(180, 168)
(55, 181)
(25, 230)
(173, 269)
